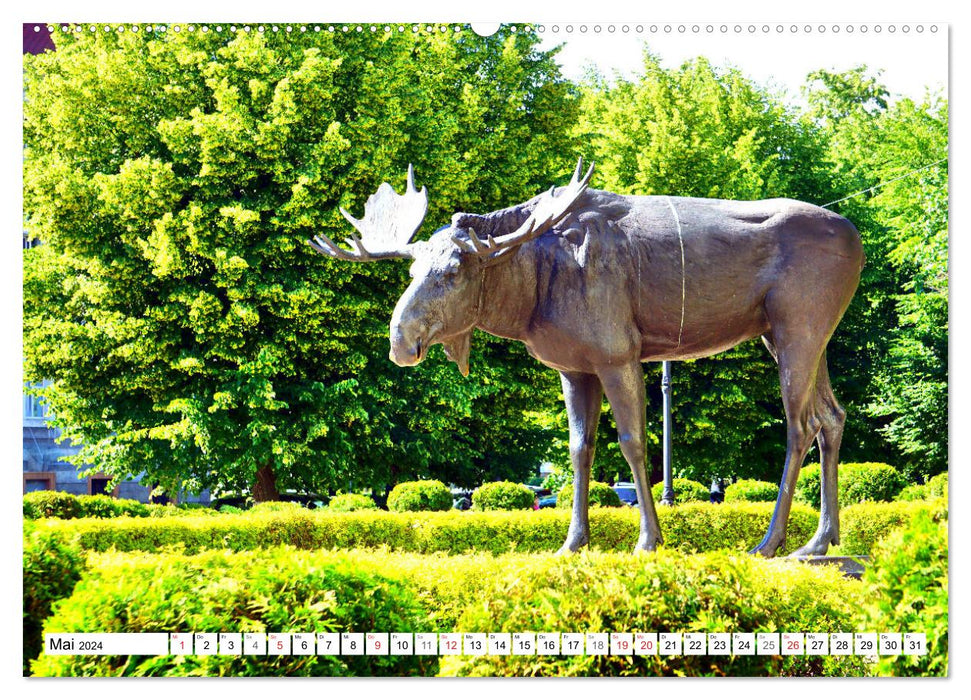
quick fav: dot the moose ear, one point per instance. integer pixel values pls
(457, 350)
(463, 220)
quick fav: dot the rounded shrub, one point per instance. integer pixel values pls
(350, 502)
(859, 482)
(601, 495)
(51, 504)
(503, 495)
(751, 490)
(410, 496)
(685, 490)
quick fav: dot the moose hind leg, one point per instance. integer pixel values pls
(583, 395)
(798, 357)
(624, 387)
(832, 418)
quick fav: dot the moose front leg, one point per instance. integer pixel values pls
(624, 387)
(583, 395)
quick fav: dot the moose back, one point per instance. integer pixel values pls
(595, 283)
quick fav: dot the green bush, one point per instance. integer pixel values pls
(690, 527)
(51, 504)
(936, 487)
(601, 496)
(277, 507)
(752, 491)
(666, 592)
(685, 491)
(276, 590)
(52, 566)
(908, 582)
(412, 496)
(350, 502)
(503, 495)
(859, 482)
(864, 524)
(102, 506)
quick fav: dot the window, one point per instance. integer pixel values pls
(39, 481)
(34, 407)
(98, 485)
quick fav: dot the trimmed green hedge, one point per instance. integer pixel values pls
(864, 524)
(351, 502)
(690, 527)
(288, 590)
(936, 487)
(279, 590)
(908, 581)
(52, 566)
(51, 504)
(685, 491)
(667, 592)
(601, 496)
(752, 491)
(503, 495)
(859, 482)
(413, 496)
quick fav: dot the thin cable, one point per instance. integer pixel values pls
(883, 184)
(677, 221)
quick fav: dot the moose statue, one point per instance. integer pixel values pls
(595, 283)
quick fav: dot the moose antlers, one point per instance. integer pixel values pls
(390, 221)
(549, 210)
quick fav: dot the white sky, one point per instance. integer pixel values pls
(910, 62)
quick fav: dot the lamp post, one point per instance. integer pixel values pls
(667, 497)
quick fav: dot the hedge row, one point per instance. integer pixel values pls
(858, 482)
(690, 527)
(58, 504)
(936, 487)
(290, 590)
(865, 524)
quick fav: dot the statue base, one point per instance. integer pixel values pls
(851, 567)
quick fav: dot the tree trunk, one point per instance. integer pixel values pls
(264, 489)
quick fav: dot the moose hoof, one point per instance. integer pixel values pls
(767, 548)
(647, 544)
(572, 545)
(817, 546)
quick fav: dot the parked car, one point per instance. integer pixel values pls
(627, 493)
(547, 501)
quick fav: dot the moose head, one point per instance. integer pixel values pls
(445, 297)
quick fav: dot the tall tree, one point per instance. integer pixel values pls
(189, 333)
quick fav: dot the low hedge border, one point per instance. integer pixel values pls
(289, 590)
(690, 527)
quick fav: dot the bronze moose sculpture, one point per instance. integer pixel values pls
(594, 283)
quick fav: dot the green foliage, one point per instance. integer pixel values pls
(351, 502)
(685, 491)
(418, 496)
(269, 590)
(936, 487)
(669, 591)
(863, 525)
(858, 483)
(692, 527)
(751, 490)
(503, 495)
(895, 334)
(601, 495)
(187, 330)
(51, 504)
(277, 507)
(108, 507)
(52, 565)
(908, 580)
(558, 478)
